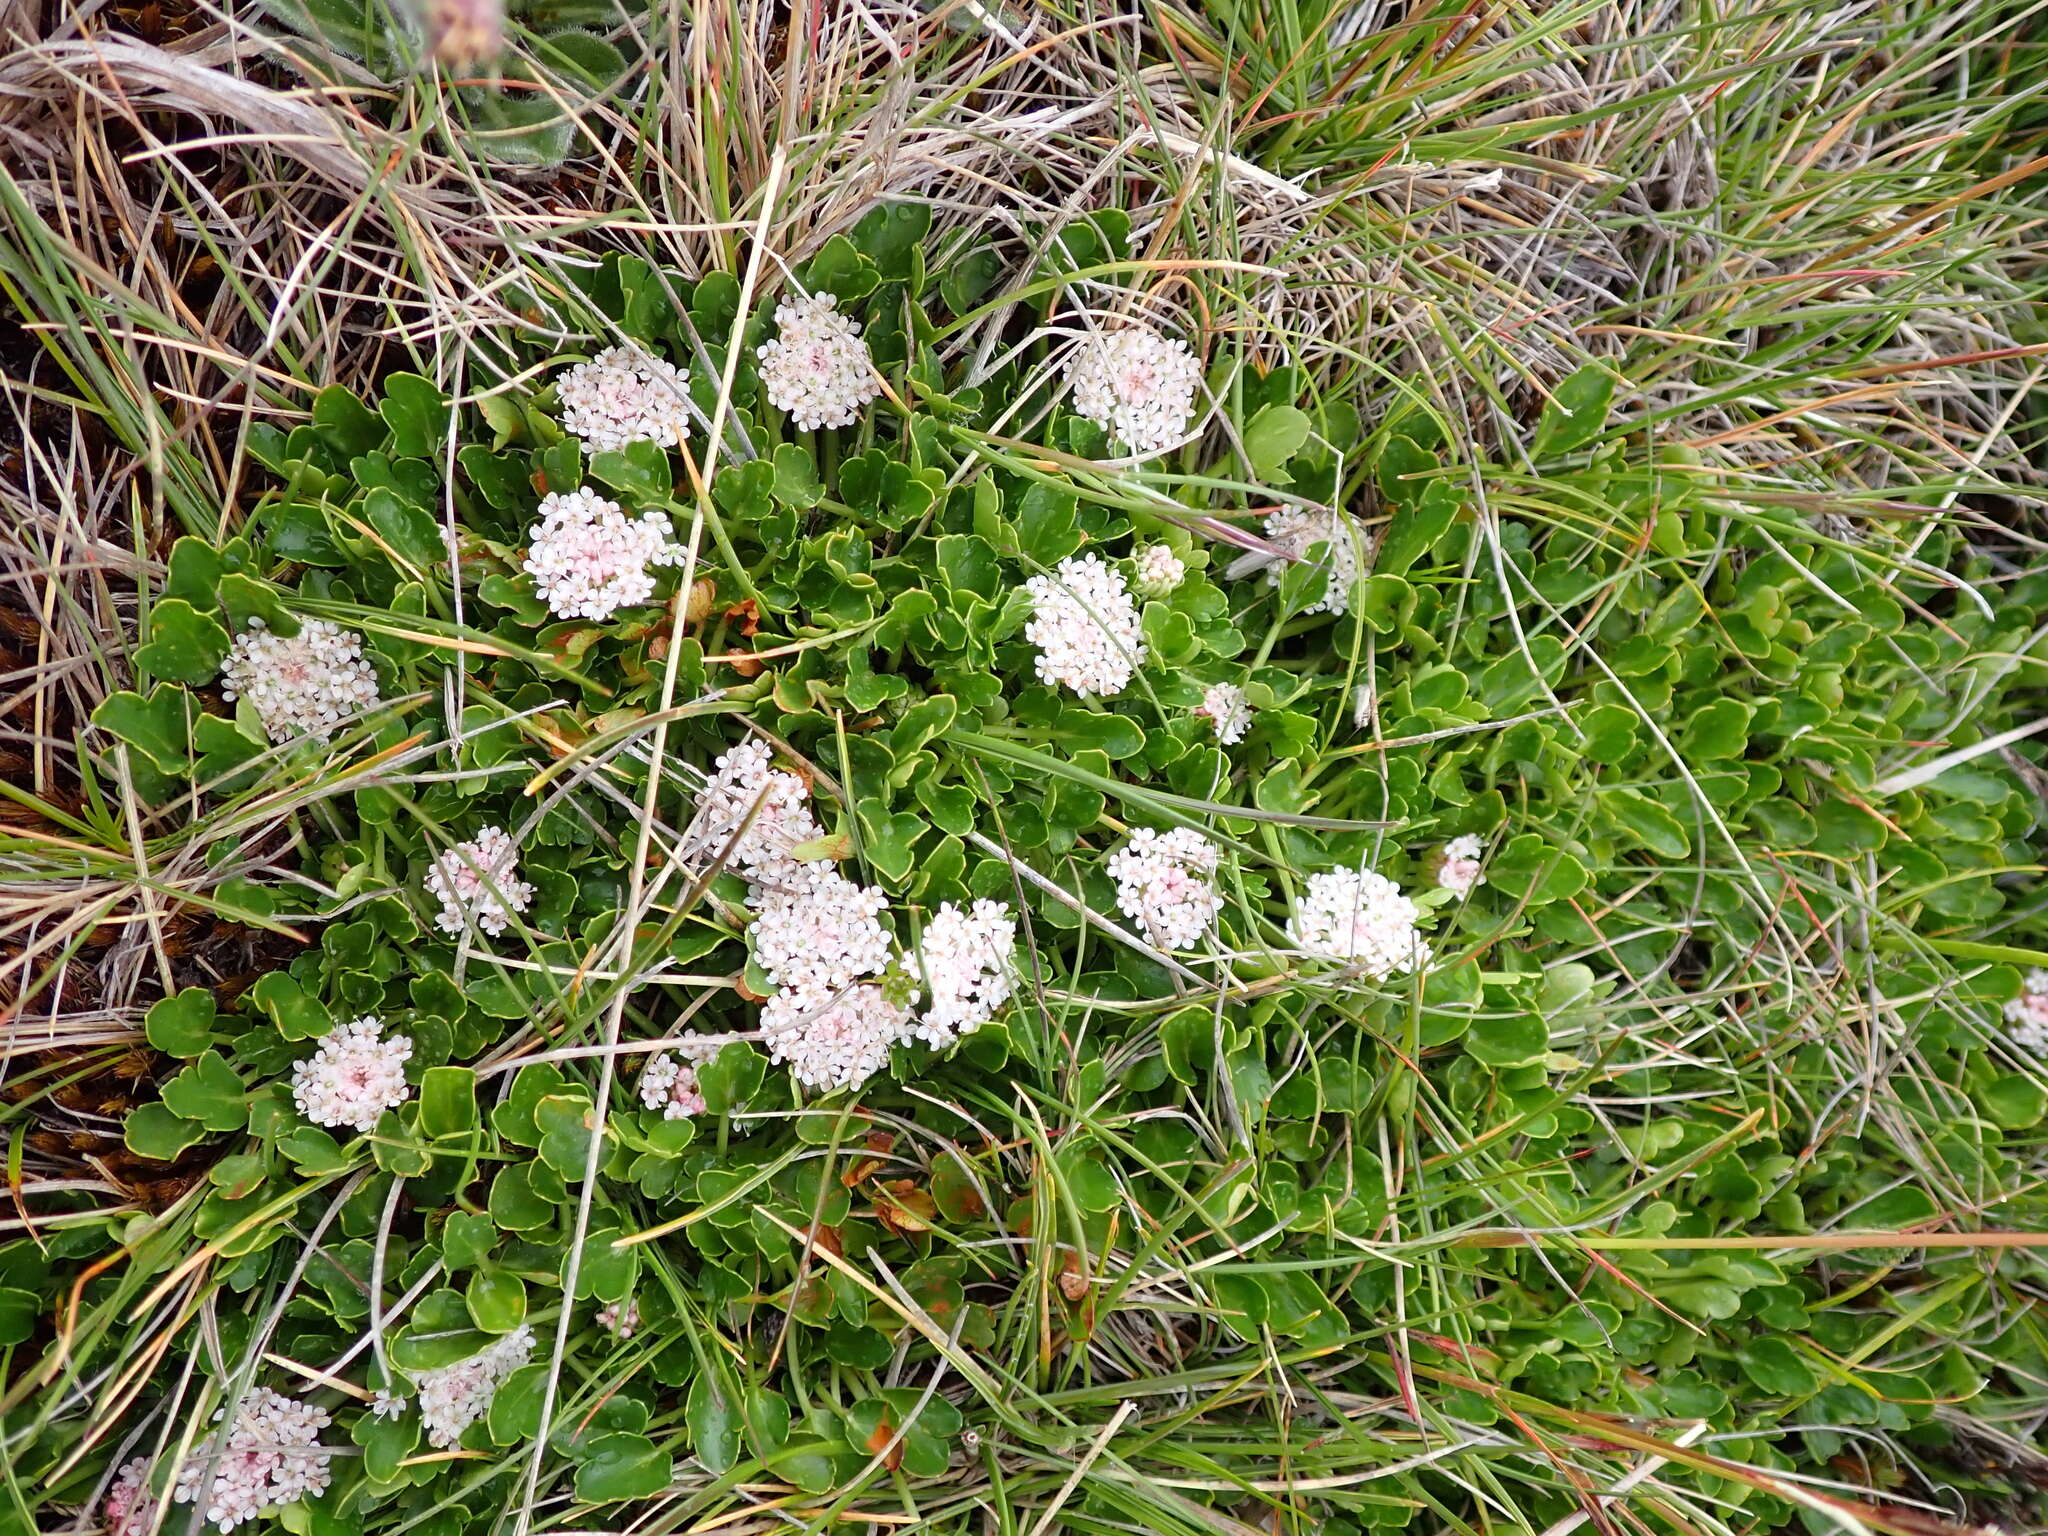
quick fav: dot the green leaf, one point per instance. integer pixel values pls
(418, 415)
(889, 235)
(1274, 436)
(714, 1434)
(447, 1101)
(345, 423)
(525, 1197)
(731, 1077)
(621, 1466)
(515, 1408)
(1511, 1041)
(156, 725)
(153, 1131)
(407, 531)
(1576, 412)
(1776, 1367)
(796, 476)
(194, 568)
(209, 1093)
(1636, 814)
(18, 1312)
(640, 471)
(297, 1014)
(2013, 1103)
(496, 1300)
(565, 1124)
(185, 646)
(181, 1025)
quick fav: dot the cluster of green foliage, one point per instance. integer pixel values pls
(1511, 1194)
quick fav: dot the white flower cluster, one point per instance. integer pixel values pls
(1159, 570)
(963, 964)
(1457, 865)
(1166, 884)
(746, 779)
(669, 1080)
(353, 1077)
(1136, 385)
(588, 559)
(819, 937)
(625, 395)
(620, 1319)
(1359, 916)
(130, 1508)
(836, 1039)
(478, 882)
(270, 1455)
(843, 996)
(1085, 626)
(2028, 1014)
(1226, 708)
(817, 368)
(817, 931)
(456, 1396)
(1297, 530)
(303, 686)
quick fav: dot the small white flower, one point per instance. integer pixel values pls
(388, 1405)
(832, 1039)
(963, 963)
(747, 779)
(817, 368)
(588, 559)
(1362, 705)
(625, 395)
(1136, 385)
(620, 1319)
(1160, 570)
(456, 1396)
(305, 686)
(353, 1077)
(669, 1080)
(1457, 865)
(1297, 530)
(1166, 883)
(130, 1508)
(271, 1455)
(1359, 916)
(477, 882)
(1085, 627)
(818, 930)
(2028, 1014)
(1225, 707)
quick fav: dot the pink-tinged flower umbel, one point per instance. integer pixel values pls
(1226, 708)
(269, 1456)
(455, 1396)
(1136, 385)
(478, 882)
(355, 1075)
(816, 367)
(1085, 626)
(753, 814)
(1360, 917)
(1458, 867)
(963, 963)
(2028, 1014)
(588, 558)
(307, 684)
(1166, 884)
(625, 395)
(831, 1039)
